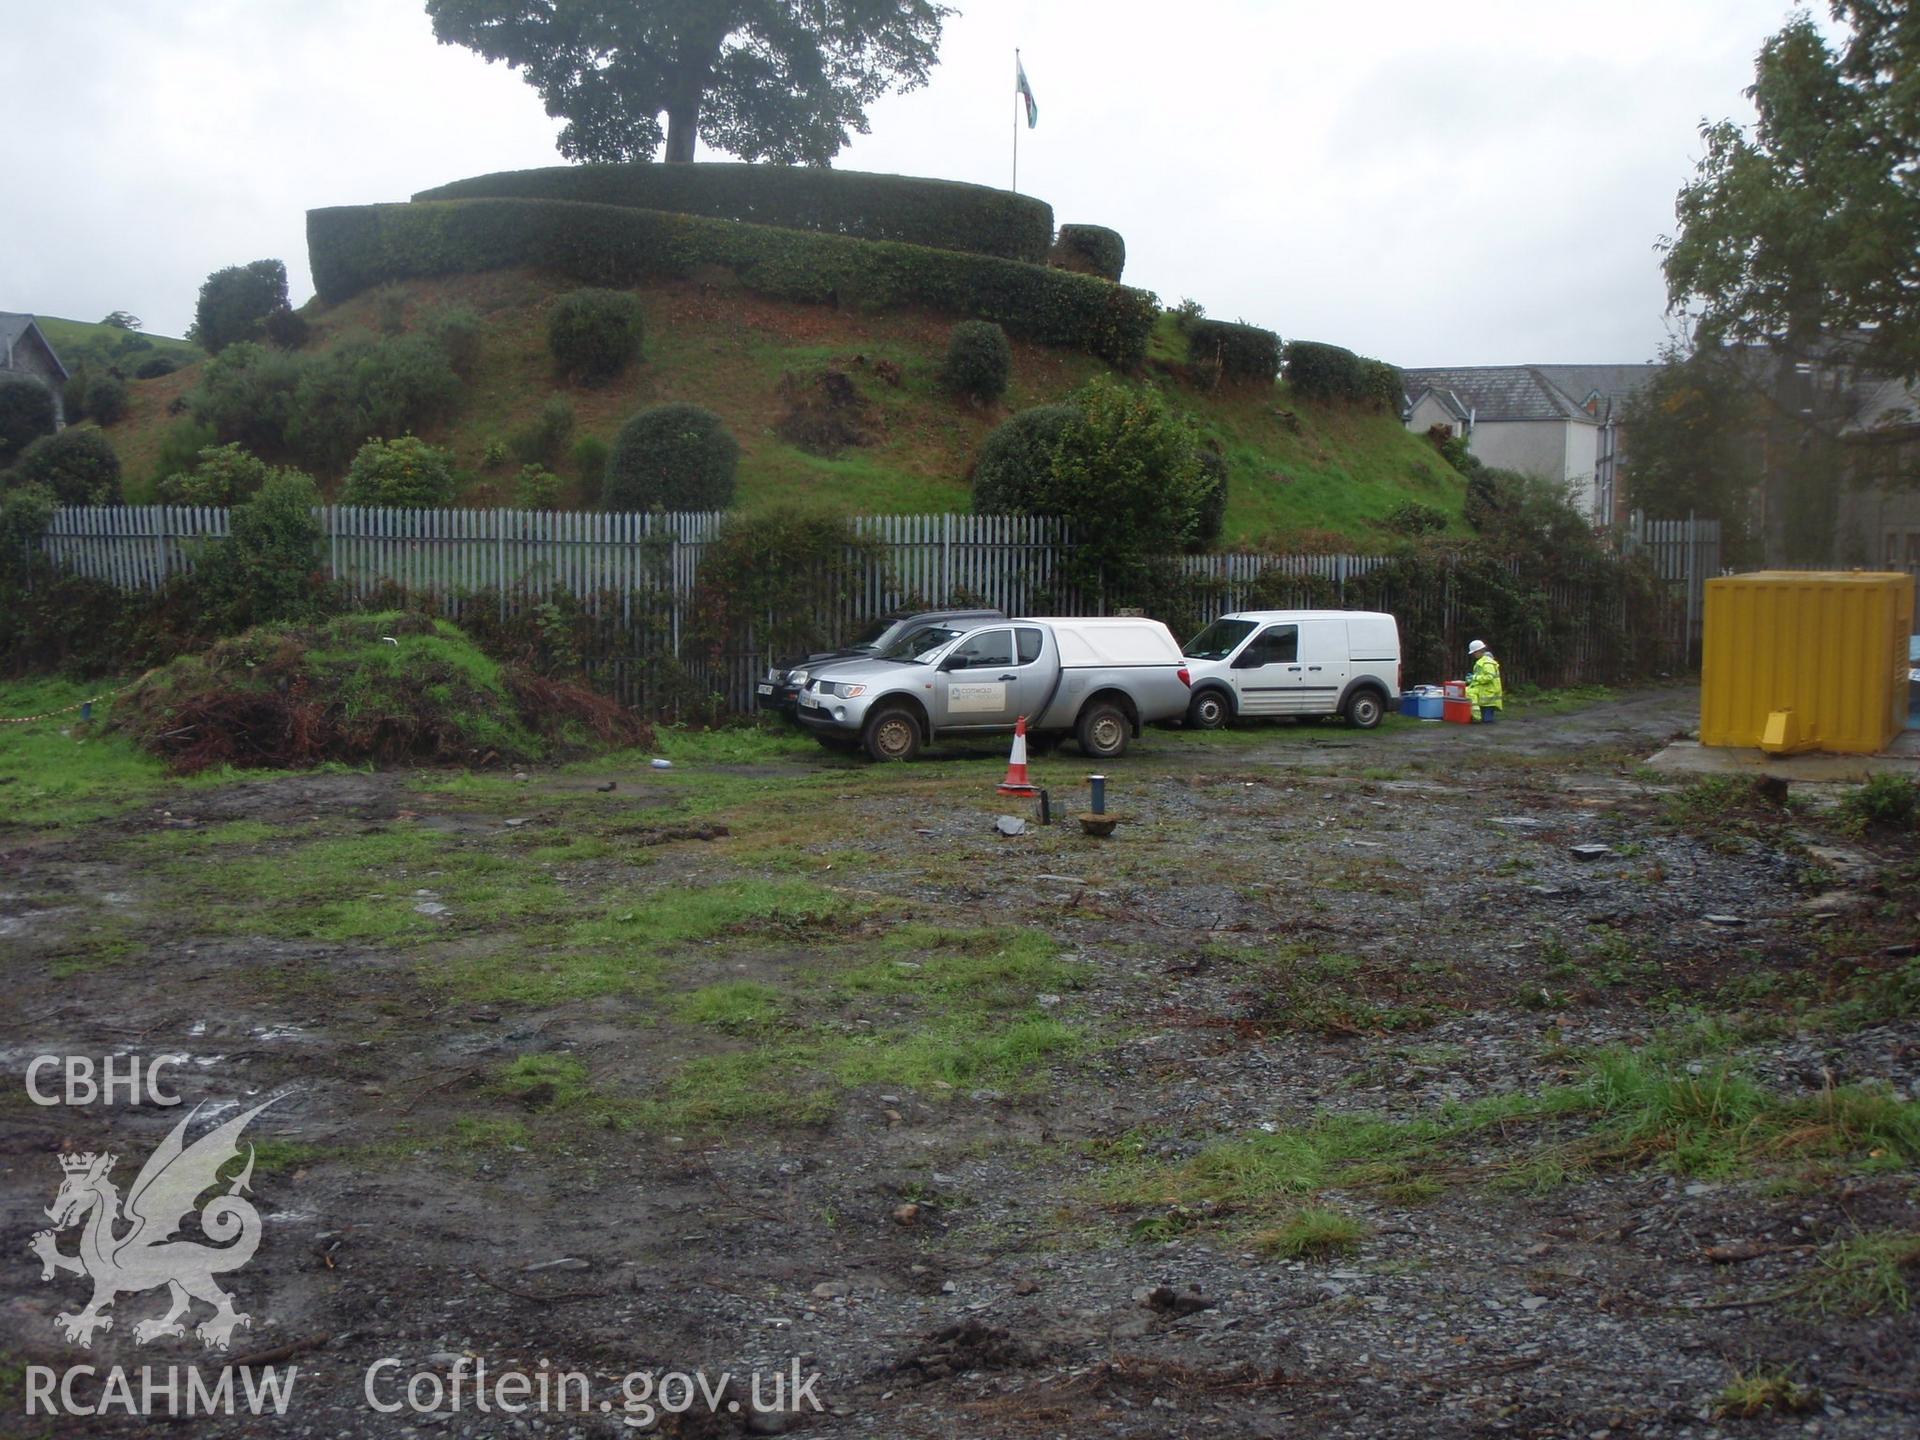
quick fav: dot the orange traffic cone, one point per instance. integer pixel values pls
(1016, 782)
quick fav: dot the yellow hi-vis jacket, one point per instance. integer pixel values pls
(1483, 684)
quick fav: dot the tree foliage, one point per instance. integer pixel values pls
(78, 465)
(779, 80)
(26, 413)
(1805, 231)
(1694, 430)
(236, 303)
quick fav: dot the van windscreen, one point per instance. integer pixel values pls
(1219, 640)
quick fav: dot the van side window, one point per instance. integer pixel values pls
(1276, 645)
(1028, 639)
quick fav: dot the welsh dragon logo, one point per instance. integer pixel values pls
(144, 1255)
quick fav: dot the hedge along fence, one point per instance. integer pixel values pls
(1242, 352)
(354, 247)
(942, 214)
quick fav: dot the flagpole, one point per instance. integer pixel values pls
(1016, 122)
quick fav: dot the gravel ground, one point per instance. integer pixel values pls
(952, 1259)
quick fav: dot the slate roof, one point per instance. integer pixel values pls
(1499, 393)
(1885, 407)
(1616, 383)
(15, 328)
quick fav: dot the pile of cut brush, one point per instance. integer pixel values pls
(379, 688)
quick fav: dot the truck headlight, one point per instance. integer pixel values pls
(849, 692)
(798, 679)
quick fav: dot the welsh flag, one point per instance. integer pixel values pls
(1025, 91)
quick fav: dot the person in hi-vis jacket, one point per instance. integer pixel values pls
(1483, 684)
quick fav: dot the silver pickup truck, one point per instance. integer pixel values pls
(1099, 681)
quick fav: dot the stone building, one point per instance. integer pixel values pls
(25, 351)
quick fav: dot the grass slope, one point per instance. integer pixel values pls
(71, 337)
(1299, 472)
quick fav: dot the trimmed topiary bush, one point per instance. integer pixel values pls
(979, 361)
(1241, 353)
(26, 413)
(406, 473)
(235, 304)
(457, 330)
(353, 247)
(77, 465)
(671, 457)
(1014, 471)
(106, 399)
(944, 214)
(593, 334)
(1327, 372)
(154, 366)
(1090, 250)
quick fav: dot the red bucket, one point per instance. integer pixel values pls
(1456, 711)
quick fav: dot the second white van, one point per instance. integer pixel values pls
(1294, 662)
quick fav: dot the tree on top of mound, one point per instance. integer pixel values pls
(777, 80)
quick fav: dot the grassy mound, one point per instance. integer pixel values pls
(1301, 472)
(389, 687)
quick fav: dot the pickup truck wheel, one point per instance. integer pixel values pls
(1103, 731)
(1364, 710)
(1209, 711)
(892, 735)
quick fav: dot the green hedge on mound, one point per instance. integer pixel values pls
(1243, 352)
(1091, 250)
(944, 214)
(1331, 372)
(354, 247)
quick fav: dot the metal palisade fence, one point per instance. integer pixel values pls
(637, 576)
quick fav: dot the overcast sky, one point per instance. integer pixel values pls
(1475, 183)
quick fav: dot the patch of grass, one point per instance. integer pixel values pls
(362, 888)
(1884, 802)
(511, 974)
(735, 908)
(984, 968)
(65, 771)
(733, 1005)
(1633, 1111)
(1532, 700)
(1720, 805)
(1312, 1233)
(1866, 1274)
(743, 744)
(1752, 1393)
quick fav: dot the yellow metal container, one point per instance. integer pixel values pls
(1811, 660)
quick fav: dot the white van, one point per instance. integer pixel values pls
(1294, 662)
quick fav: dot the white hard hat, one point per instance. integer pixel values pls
(1474, 647)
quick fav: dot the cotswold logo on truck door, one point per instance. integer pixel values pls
(976, 698)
